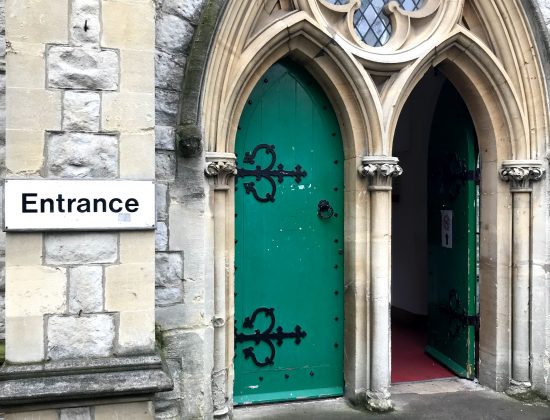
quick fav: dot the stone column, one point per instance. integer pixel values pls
(221, 168)
(520, 174)
(380, 170)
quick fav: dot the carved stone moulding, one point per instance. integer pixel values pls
(521, 173)
(220, 167)
(380, 170)
(414, 33)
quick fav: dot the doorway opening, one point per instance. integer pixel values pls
(435, 237)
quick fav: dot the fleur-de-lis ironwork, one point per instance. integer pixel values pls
(267, 173)
(267, 336)
(456, 315)
(453, 174)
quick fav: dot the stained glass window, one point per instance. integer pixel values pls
(370, 22)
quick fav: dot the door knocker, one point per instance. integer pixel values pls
(324, 210)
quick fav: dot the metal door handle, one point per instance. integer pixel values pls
(324, 210)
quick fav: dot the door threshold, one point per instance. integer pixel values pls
(436, 386)
(300, 409)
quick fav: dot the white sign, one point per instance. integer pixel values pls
(36, 204)
(447, 228)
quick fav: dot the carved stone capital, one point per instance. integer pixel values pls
(521, 173)
(220, 167)
(380, 170)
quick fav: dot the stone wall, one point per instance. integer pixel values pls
(2, 158)
(183, 283)
(95, 119)
(133, 411)
(81, 96)
(79, 109)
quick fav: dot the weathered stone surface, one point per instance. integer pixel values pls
(189, 140)
(2, 317)
(173, 34)
(165, 138)
(81, 248)
(136, 332)
(166, 107)
(137, 247)
(179, 316)
(84, 336)
(186, 343)
(24, 340)
(79, 155)
(80, 413)
(82, 68)
(161, 237)
(168, 295)
(169, 269)
(86, 289)
(106, 377)
(136, 411)
(195, 378)
(2, 275)
(161, 193)
(165, 166)
(81, 111)
(32, 415)
(545, 10)
(36, 290)
(168, 409)
(189, 9)
(174, 367)
(84, 24)
(128, 25)
(169, 70)
(128, 112)
(130, 287)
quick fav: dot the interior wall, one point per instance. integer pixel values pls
(409, 220)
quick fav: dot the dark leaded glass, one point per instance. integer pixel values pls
(372, 25)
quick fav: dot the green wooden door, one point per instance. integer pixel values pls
(289, 311)
(451, 235)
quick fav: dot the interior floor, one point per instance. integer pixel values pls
(409, 361)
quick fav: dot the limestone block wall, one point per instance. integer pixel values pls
(184, 301)
(2, 160)
(131, 411)
(80, 104)
(94, 91)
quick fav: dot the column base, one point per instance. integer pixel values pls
(518, 389)
(379, 401)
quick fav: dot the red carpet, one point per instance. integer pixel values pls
(409, 362)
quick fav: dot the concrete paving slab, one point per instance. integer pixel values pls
(449, 399)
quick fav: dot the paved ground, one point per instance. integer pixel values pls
(437, 400)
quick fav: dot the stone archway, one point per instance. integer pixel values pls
(368, 88)
(357, 127)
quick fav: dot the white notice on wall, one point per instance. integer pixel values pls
(39, 205)
(447, 228)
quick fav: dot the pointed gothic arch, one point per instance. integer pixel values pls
(507, 100)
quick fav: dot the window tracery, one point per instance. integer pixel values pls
(370, 21)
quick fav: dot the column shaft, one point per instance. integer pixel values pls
(520, 174)
(221, 168)
(380, 290)
(520, 286)
(380, 171)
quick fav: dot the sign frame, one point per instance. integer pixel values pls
(125, 204)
